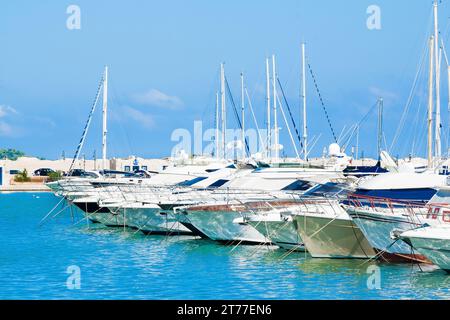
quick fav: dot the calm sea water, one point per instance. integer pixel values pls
(118, 264)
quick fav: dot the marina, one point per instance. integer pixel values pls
(272, 197)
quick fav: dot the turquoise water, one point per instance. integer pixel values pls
(118, 264)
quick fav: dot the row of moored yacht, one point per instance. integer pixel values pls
(392, 216)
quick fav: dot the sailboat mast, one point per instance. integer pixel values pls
(380, 126)
(437, 83)
(357, 142)
(105, 116)
(275, 116)
(305, 133)
(448, 82)
(224, 122)
(243, 116)
(269, 129)
(217, 126)
(430, 105)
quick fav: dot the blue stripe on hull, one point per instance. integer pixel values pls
(422, 194)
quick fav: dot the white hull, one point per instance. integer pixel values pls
(280, 232)
(328, 231)
(378, 227)
(221, 226)
(152, 220)
(326, 237)
(428, 242)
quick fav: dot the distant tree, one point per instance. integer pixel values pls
(22, 176)
(55, 176)
(11, 154)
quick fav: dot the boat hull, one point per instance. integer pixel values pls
(378, 229)
(327, 237)
(281, 233)
(153, 221)
(221, 226)
(436, 250)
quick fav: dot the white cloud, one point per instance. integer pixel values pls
(7, 130)
(144, 119)
(156, 98)
(7, 110)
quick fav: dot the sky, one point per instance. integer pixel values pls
(164, 58)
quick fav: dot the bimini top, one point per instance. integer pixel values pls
(403, 180)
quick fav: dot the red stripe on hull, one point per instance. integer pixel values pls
(399, 257)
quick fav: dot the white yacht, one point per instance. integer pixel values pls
(278, 226)
(431, 241)
(326, 228)
(395, 202)
(226, 220)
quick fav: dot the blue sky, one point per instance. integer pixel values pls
(164, 66)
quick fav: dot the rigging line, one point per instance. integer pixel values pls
(287, 126)
(413, 88)
(238, 119)
(211, 96)
(321, 102)
(254, 119)
(313, 143)
(349, 134)
(86, 127)
(290, 113)
(417, 127)
(343, 133)
(358, 125)
(115, 96)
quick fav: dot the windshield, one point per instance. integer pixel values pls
(327, 190)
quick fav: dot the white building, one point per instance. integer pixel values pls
(9, 168)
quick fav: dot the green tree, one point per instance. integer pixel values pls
(54, 176)
(11, 154)
(22, 176)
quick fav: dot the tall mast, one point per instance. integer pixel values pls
(224, 118)
(217, 126)
(357, 142)
(269, 128)
(275, 117)
(105, 116)
(243, 116)
(305, 133)
(448, 82)
(380, 126)
(430, 105)
(437, 83)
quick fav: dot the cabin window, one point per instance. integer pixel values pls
(218, 183)
(191, 182)
(127, 168)
(144, 168)
(297, 185)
